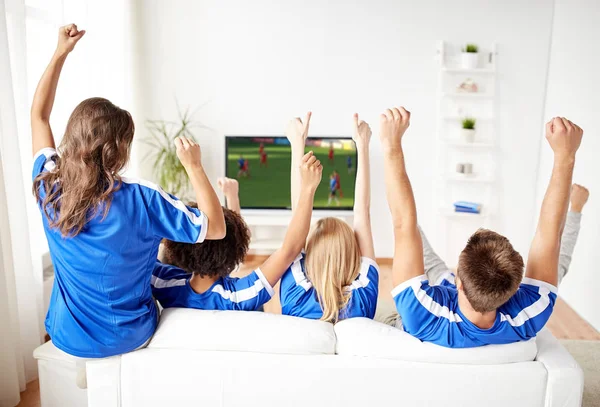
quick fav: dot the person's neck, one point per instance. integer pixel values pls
(201, 284)
(482, 320)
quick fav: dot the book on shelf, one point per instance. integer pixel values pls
(467, 207)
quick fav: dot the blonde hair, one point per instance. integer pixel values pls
(332, 264)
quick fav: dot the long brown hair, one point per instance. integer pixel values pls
(332, 264)
(95, 147)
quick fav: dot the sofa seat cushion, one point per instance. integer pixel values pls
(365, 337)
(242, 331)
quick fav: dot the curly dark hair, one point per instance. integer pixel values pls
(212, 258)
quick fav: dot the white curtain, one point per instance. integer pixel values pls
(20, 287)
(102, 65)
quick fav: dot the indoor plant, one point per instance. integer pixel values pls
(468, 129)
(168, 171)
(470, 56)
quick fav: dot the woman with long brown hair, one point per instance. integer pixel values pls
(104, 229)
(337, 276)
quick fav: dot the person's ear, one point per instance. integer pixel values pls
(459, 285)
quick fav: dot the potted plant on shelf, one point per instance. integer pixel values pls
(169, 172)
(470, 56)
(468, 129)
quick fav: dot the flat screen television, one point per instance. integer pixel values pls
(261, 164)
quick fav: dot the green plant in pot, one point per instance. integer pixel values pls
(470, 56)
(468, 129)
(168, 171)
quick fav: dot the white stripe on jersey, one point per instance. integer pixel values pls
(299, 275)
(531, 311)
(403, 286)
(242, 295)
(363, 276)
(47, 152)
(432, 306)
(160, 283)
(265, 282)
(196, 220)
(538, 283)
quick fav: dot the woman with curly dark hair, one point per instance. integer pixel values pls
(210, 287)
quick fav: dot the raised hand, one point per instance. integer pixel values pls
(188, 152)
(68, 36)
(579, 197)
(362, 131)
(297, 131)
(311, 172)
(229, 186)
(564, 137)
(393, 125)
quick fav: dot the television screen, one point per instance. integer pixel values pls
(261, 164)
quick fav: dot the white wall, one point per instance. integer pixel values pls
(257, 64)
(99, 66)
(574, 92)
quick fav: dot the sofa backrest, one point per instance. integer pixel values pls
(260, 332)
(364, 337)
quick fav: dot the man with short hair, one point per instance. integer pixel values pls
(488, 302)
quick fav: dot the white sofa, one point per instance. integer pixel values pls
(224, 358)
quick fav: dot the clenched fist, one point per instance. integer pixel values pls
(188, 152)
(564, 137)
(297, 131)
(68, 36)
(362, 131)
(230, 187)
(311, 171)
(394, 123)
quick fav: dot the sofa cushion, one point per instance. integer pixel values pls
(261, 332)
(365, 337)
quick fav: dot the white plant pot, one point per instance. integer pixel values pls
(470, 60)
(468, 135)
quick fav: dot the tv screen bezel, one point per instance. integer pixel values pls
(336, 209)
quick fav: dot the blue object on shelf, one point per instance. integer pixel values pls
(467, 207)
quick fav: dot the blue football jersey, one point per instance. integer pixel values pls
(171, 287)
(431, 313)
(299, 298)
(101, 303)
(332, 184)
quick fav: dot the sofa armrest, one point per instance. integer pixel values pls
(104, 382)
(565, 377)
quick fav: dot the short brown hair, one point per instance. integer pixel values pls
(212, 258)
(490, 270)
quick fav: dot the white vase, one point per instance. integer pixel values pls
(468, 135)
(470, 60)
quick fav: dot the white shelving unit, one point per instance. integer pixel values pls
(453, 106)
(462, 144)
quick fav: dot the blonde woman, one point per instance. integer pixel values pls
(337, 276)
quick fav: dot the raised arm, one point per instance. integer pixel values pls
(230, 188)
(408, 249)
(208, 201)
(43, 100)
(296, 133)
(310, 176)
(542, 264)
(362, 192)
